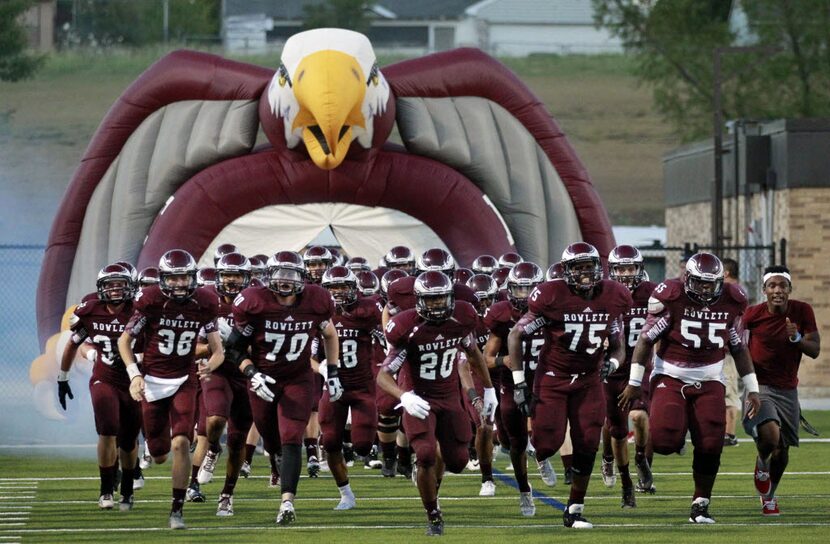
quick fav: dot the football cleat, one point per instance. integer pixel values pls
(245, 471)
(347, 502)
(435, 524)
(177, 520)
(730, 440)
(138, 479)
(348, 454)
(526, 506)
(569, 476)
(414, 475)
(371, 461)
(547, 472)
(405, 470)
(146, 461)
(313, 467)
(644, 474)
(275, 479)
(225, 507)
(194, 494)
(106, 502)
(488, 489)
(389, 468)
(286, 515)
(762, 481)
(205, 474)
(118, 475)
(473, 465)
(770, 507)
(640, 487)
(700, 511)
(628, 499)
(573, 519)
(609, 478)
(126, 503)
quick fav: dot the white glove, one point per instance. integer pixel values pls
(414, 405)
(225, 328)
(490, 403)
(333, 383)
(323, 369)
(259, 385)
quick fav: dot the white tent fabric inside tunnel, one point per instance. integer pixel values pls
(360, 230)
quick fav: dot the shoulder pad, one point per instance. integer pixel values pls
(736, 293)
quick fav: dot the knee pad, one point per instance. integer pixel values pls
(388, 424)
(706, 463)
(583, 463)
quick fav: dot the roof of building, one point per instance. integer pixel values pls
(563, 12)
(394, 9)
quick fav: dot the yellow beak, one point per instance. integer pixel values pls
(329, 86)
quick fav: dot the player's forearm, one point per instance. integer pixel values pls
(125, 348)
(68, 356)
(743, 363)
(387, 383)
(810, 345)
(479, 366)
(514, 349)
(332, 349)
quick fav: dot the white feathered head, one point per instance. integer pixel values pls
(327, 90)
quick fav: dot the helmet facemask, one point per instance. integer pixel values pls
(435, 308)
(285, 281)
(178, 286)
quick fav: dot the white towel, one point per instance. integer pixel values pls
(161, 388)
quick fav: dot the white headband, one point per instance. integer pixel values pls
(785, 275)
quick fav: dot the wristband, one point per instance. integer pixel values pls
(249, 371)
(332, 370)
(471, 393)
(133, 372)
(63, 375)
(92, 355)
(750, 382)
(796, 339)
(615, 362)
(500, 360)
(518, 376)
(635, 378)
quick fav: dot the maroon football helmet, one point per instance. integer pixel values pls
(500, 275)
(388, 277)
(133, 274)
(259, 267)
(485, 289)
(523, 278)
(341, 284)
(462, 275)
(317, 260)
(177, 275)
(582, 267)
(223, 250)
(510, 259)
(148, 276)
(206, 276)
(286, 273)
(436, 259)
(400, 257)
(555, 272)
(337, 258)
(356, 264)
(628, 259)
(367, 283)
(114, 284)
(435, 299)
(703, 280)
(484, 264)
(233, 274)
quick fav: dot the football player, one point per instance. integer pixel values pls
(400, 258)
(696, 320)
(279, 323)
(99, 322)
(317, 260)
(578, 316)
(169, 316)
(425, 342)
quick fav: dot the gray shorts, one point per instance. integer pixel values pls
(781, 406)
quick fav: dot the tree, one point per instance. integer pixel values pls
(349, 14)
(673, 43)
(15, 62)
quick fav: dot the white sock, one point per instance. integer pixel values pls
(346, 490)
(576, 508)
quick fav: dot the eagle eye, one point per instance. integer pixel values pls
(283, 76)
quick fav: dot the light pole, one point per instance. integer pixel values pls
(717, 133)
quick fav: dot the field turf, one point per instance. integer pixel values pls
(53, 499)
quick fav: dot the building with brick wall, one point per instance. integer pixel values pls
(776, 187)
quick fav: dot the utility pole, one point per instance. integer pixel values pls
(166, 19)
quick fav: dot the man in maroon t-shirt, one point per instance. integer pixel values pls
(169, 317)
(425, 344)
(98, 323)
(578, 315)
(781, 330)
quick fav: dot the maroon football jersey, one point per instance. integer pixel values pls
(282, 335)
(226, 317)
(90, 296)
(776, 359)
(575, 328)
(429, 351)
(170, 329)
(633, 322)
(501, 317)
(693, 337)
(402, 294)
(92, 320)
(354, 327)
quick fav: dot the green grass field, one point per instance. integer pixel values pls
(54, 500)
